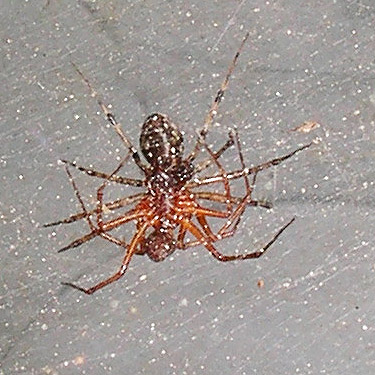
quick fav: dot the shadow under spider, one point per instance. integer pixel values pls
(169, 208)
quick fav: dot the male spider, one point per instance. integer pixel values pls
(169, 207)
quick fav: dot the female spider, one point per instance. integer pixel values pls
(170, 207)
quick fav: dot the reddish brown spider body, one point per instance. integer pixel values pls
(170, 208)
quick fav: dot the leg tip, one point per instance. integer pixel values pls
(86, 291)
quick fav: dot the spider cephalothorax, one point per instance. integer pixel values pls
(170, 207)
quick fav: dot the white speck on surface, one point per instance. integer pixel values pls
(183, 302)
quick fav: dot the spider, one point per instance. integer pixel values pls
(170, 207)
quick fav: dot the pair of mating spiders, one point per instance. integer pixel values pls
(170, 207)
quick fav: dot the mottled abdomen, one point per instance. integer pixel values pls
(161, 142)
(158, 245)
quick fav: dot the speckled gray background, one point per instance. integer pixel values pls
(305, 61)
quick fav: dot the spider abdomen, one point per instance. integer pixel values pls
(159, 244)
(161, 141)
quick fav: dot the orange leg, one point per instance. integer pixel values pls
(217, 197)
(119, 203)
(206, 228)
(129, 216)
(192, 228)
(100, 192)
(181, 235)
(113, 239)
(232, 222)
(124, 266)
(224, 175)
(204, 211)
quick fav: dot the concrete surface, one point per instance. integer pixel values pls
(305, 61)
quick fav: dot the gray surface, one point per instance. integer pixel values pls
(190, 314)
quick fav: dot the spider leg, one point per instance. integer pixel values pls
(107, 226)
(124, 265)
(96, 231)
(181, 235)
(200, 213)
(249, 188)
(227, 258)
(237, 214)
(221, 198)
(109, 177)
(205, 211)
(78, 195)
(215, 104)
(109, 206)
(233, 220)
(140, 250)
(113, 239)
(206, 163)
(234, 217)
(224, 174)
(99, 209)
(206, 228)
(100, 192)
(111, 119)
(273, 162)
(93, 232)
(246, 171)
(261, 251)
(134, 214)
(79, 241)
